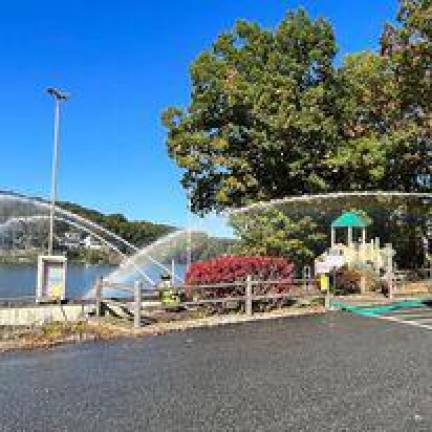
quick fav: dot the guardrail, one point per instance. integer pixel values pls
(247, 291)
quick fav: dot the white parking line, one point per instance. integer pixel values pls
(424, 320)
(402, 321)
(411, 316)
(411, 312)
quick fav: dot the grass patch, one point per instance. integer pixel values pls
(52, 334)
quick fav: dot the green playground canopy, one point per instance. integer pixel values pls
(350, 219)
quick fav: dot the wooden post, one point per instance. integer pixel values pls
(98, 295)
(248, 297)
(390, 269)
(304, 278)
(307, 274)
(327, 298)
(137, 304)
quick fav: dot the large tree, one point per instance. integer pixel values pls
(270, 116)
(386, 102)
(262, 118)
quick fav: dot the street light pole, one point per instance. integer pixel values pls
(59, 97)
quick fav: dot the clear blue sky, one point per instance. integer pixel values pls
(124, 62)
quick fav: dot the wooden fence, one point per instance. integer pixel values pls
(245, 292)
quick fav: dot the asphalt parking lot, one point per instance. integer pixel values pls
(337, 372)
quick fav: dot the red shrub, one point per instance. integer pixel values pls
(233, 269)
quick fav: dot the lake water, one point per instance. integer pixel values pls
(18, 280)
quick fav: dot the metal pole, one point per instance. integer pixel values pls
(54, 170)
(59, 96)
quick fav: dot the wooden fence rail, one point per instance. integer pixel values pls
(248, 286)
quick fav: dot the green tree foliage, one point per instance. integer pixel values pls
(261, 121)
(410, 49)
(271, 116)
(272, 233)
(386, 104)
(367, 93)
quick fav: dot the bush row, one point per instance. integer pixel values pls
(225, 270)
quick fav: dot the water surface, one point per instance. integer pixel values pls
(18, 280)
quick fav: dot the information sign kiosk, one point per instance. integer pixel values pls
(51, 278)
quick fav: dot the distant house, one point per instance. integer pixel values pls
(90, 242)
(71, 240)
(72, 236)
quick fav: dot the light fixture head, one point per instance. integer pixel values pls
(58, 93)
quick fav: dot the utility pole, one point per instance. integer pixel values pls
(59, 97)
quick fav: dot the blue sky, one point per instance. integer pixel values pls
(123, 62)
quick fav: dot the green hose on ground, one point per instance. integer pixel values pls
(378, 310)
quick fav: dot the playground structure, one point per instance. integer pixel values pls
(358, 253)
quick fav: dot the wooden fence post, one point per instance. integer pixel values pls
(249, 295)
(98, 295)
(307, 274)
(137, 304)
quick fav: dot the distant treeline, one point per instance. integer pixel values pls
(139, 233)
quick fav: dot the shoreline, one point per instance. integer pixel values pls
(33, 261)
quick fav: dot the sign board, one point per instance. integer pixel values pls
(321, 267)
(336, 261)
(51, 278)
(324, 282)
(330, 263)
